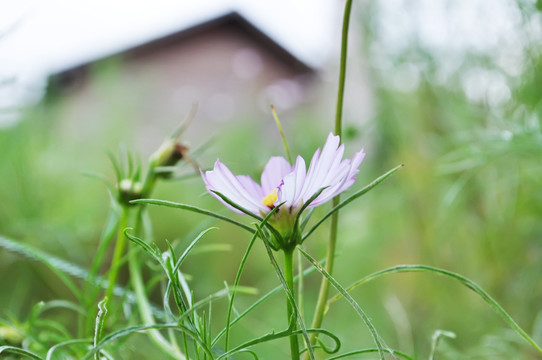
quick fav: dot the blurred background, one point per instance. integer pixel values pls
(452, 89)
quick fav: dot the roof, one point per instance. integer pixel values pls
(231, 19)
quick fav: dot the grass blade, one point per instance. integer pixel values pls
(353, 197)
(100, 320)
(368, 351)
(19, 351)
(351, 300)
(463, 280)
(193, 209)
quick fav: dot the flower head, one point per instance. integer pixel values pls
(291, 186)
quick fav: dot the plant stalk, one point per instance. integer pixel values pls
(289, 276)
(324, 286)
(118, 252)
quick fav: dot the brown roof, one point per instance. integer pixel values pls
(229, 20)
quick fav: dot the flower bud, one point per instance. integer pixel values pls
(129, 190)
(168, 154)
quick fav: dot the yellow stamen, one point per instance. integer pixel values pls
(270, 199)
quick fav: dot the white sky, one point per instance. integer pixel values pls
(52, 35)
(40, 37)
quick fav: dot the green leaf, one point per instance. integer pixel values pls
(19, 351)
(282, 334)
(58, 266)
(258, 302)
(368, 351)
(100, 320)
(49, 356)
(259, 218)
(350, 299)
(238, 275)
(193, 209)
(437, 335)
(353, 197)
(142, 328)
(463, 280)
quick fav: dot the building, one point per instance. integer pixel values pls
(232, 70)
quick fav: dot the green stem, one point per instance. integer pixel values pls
(289, 276)
(342, 70)
(235, 284)
(324, 286)
(145, 309)
(118, 252)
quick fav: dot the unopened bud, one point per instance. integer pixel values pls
(169, 153)
(129, 190)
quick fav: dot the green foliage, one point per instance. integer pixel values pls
(467, 200)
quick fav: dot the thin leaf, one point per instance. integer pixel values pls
(58, 266)
(272, 292)
(141, 328)
(350, 299)
(193, 209)
(238, 275)
(367, 351)
(437, 335)
(259, 218)
(19, 351)
(66, 343)
(100, 320)
(286, 333)
(352, 197)
(463, 280)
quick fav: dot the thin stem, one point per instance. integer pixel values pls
(324, 286)
(145, 309)
(342, 70)
(289, 276)
(235, 284)
(118, 252)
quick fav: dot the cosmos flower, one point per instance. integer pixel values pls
(282, 183)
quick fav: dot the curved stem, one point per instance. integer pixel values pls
(465, 281)
(145, 309)
(289, 276)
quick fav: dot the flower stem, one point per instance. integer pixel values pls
(324, 286)
(289, 276)
(144, 308)
(342, 70)
(118, 252)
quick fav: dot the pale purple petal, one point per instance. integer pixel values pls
(321, 166)
(329, 171)
(344, 182)
(292, 184)
(295, 184)
(252, 187)
(239, 191)
(274, 171)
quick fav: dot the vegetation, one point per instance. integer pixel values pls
(441, 259)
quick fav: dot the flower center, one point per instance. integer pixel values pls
(270, 199)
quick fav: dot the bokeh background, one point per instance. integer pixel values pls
(452, 89)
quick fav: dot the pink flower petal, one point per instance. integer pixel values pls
(274, 171)
(221, 179)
